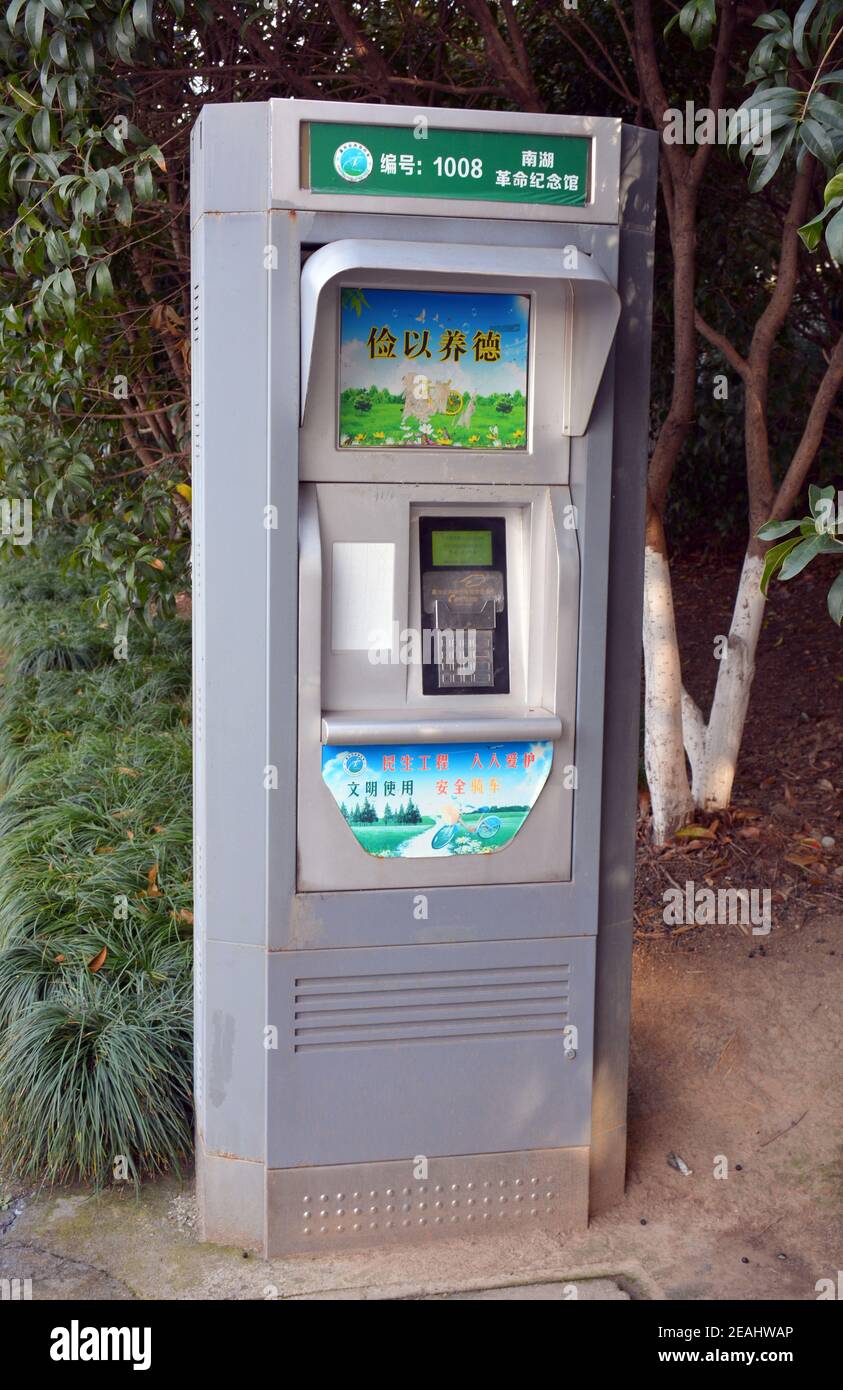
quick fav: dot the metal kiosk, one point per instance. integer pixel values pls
(420, 366)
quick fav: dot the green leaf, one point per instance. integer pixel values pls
(697, 20)
(773, 559)
(764, 167)
(816, 138)
(142, 17)
(802, 554)
(85, 49)
(32, 220)
(58, 49)
(49, 86)
(33, 22)
(56, 247)
(835, 600)
(64, 184)
(23, 99)
(12, 12)
(803, 14)
(113, 136)
(41, 130)
(55, 7)
(770, 21)
(776, 99)
(771, 530)
(123, 207)
(765, 56)
(811, 232)
(817, 494)
(144, 185)
(102, 280)
(67, 86)
(834, 236)
(88, 199)
(826, 109)
(834, 188)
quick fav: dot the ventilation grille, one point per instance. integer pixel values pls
(431, 1006)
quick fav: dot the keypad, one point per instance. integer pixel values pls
(469, 663)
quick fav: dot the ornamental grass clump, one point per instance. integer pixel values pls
(95, 885)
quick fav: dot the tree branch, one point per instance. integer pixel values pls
(806, 450)
(723, 345)
(771, 320)
(717, 83)
(563, 27)
(519, 85)
(368, 56)
(623, 87)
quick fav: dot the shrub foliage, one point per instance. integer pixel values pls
(95, 885)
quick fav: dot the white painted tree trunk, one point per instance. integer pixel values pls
(693, 732)
(664, 754)
(713, 786)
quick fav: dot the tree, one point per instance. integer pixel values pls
(807, 122)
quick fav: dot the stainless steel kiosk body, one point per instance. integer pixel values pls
(420, 391)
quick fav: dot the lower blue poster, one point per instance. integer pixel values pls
(421, 801)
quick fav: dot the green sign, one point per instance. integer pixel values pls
(488, 166)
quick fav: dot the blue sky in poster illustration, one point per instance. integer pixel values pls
(508, 314)
(469, 774)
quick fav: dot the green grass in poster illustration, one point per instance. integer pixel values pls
(369, 421)
(390, 841)
(384, 840)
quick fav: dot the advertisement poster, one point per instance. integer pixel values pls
(431, 369)
(421, 801)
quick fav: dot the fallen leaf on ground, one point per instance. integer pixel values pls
(98, 961)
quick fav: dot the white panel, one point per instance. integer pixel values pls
(362, 584)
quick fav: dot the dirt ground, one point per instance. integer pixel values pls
(735, 1067)
(783, 831)
(736, 1056)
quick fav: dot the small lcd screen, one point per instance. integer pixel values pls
(461, 547)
